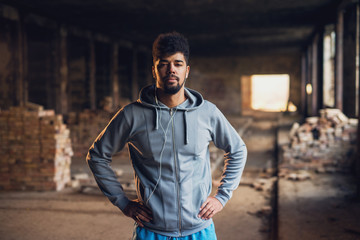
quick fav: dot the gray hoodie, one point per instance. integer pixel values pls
(169, 151)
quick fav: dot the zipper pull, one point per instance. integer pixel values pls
(171, 111)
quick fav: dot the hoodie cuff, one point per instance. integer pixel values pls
(222, 199)
(122, 203)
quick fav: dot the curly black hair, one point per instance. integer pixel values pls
(170, 43)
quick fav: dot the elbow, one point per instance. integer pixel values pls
(90, 154)
(97, 155)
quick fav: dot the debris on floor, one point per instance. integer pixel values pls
(264, 184)
(324, 144)
(299, 175)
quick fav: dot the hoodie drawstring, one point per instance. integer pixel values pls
(186, 128)
(185, 124)
(156, 119)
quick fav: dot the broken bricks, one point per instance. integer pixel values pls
(264, 184)
(36, 149)
(294, 175)
(322, 144)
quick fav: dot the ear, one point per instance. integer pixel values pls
(153, 72)
(187, 71)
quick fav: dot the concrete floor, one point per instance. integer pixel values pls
(71, 214)
(323, 208)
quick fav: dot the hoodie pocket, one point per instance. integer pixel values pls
(163, 210)
(204, 194)
(198, 198)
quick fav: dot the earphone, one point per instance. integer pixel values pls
(163, 146)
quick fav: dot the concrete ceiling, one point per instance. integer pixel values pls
(212, 26)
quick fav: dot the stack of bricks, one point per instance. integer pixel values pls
(35, 148)
(85, 126)
(322, 144)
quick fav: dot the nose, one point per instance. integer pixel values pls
(171, 68)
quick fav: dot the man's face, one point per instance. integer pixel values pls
(170, 72)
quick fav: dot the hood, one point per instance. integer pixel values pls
(194, 101)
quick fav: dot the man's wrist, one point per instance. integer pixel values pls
(123, 203)
(222, 199)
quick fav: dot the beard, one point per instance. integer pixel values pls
(173, 89)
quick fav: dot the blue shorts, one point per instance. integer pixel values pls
(145, 234)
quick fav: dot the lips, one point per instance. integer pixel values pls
(171, 79)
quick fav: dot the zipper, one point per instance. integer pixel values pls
(176, 171)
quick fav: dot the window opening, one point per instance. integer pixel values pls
(270, 92)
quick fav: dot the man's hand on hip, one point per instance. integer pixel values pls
(138, 212)
(209, 208)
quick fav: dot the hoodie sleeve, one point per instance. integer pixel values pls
(111, 140)
(226, 138)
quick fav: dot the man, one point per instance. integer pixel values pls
(168, 131)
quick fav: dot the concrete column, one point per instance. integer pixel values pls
(92, 72)
(349, 61)
(63, 71)
(149, 77)
(358, 90)
(320, 71)
(61, 74)
(303, 85)
(134, 76)
(115, 75)
(339, 61)
(314, 76)
(25, 63)
(309, 70)
(20, 96)
(317, 74)
(245, 93)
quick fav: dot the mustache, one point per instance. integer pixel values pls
(171, 76)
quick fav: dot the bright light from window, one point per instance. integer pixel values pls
(270, 92)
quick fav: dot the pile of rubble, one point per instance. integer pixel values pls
(85, 126)
(322, 144)
(35, 149)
